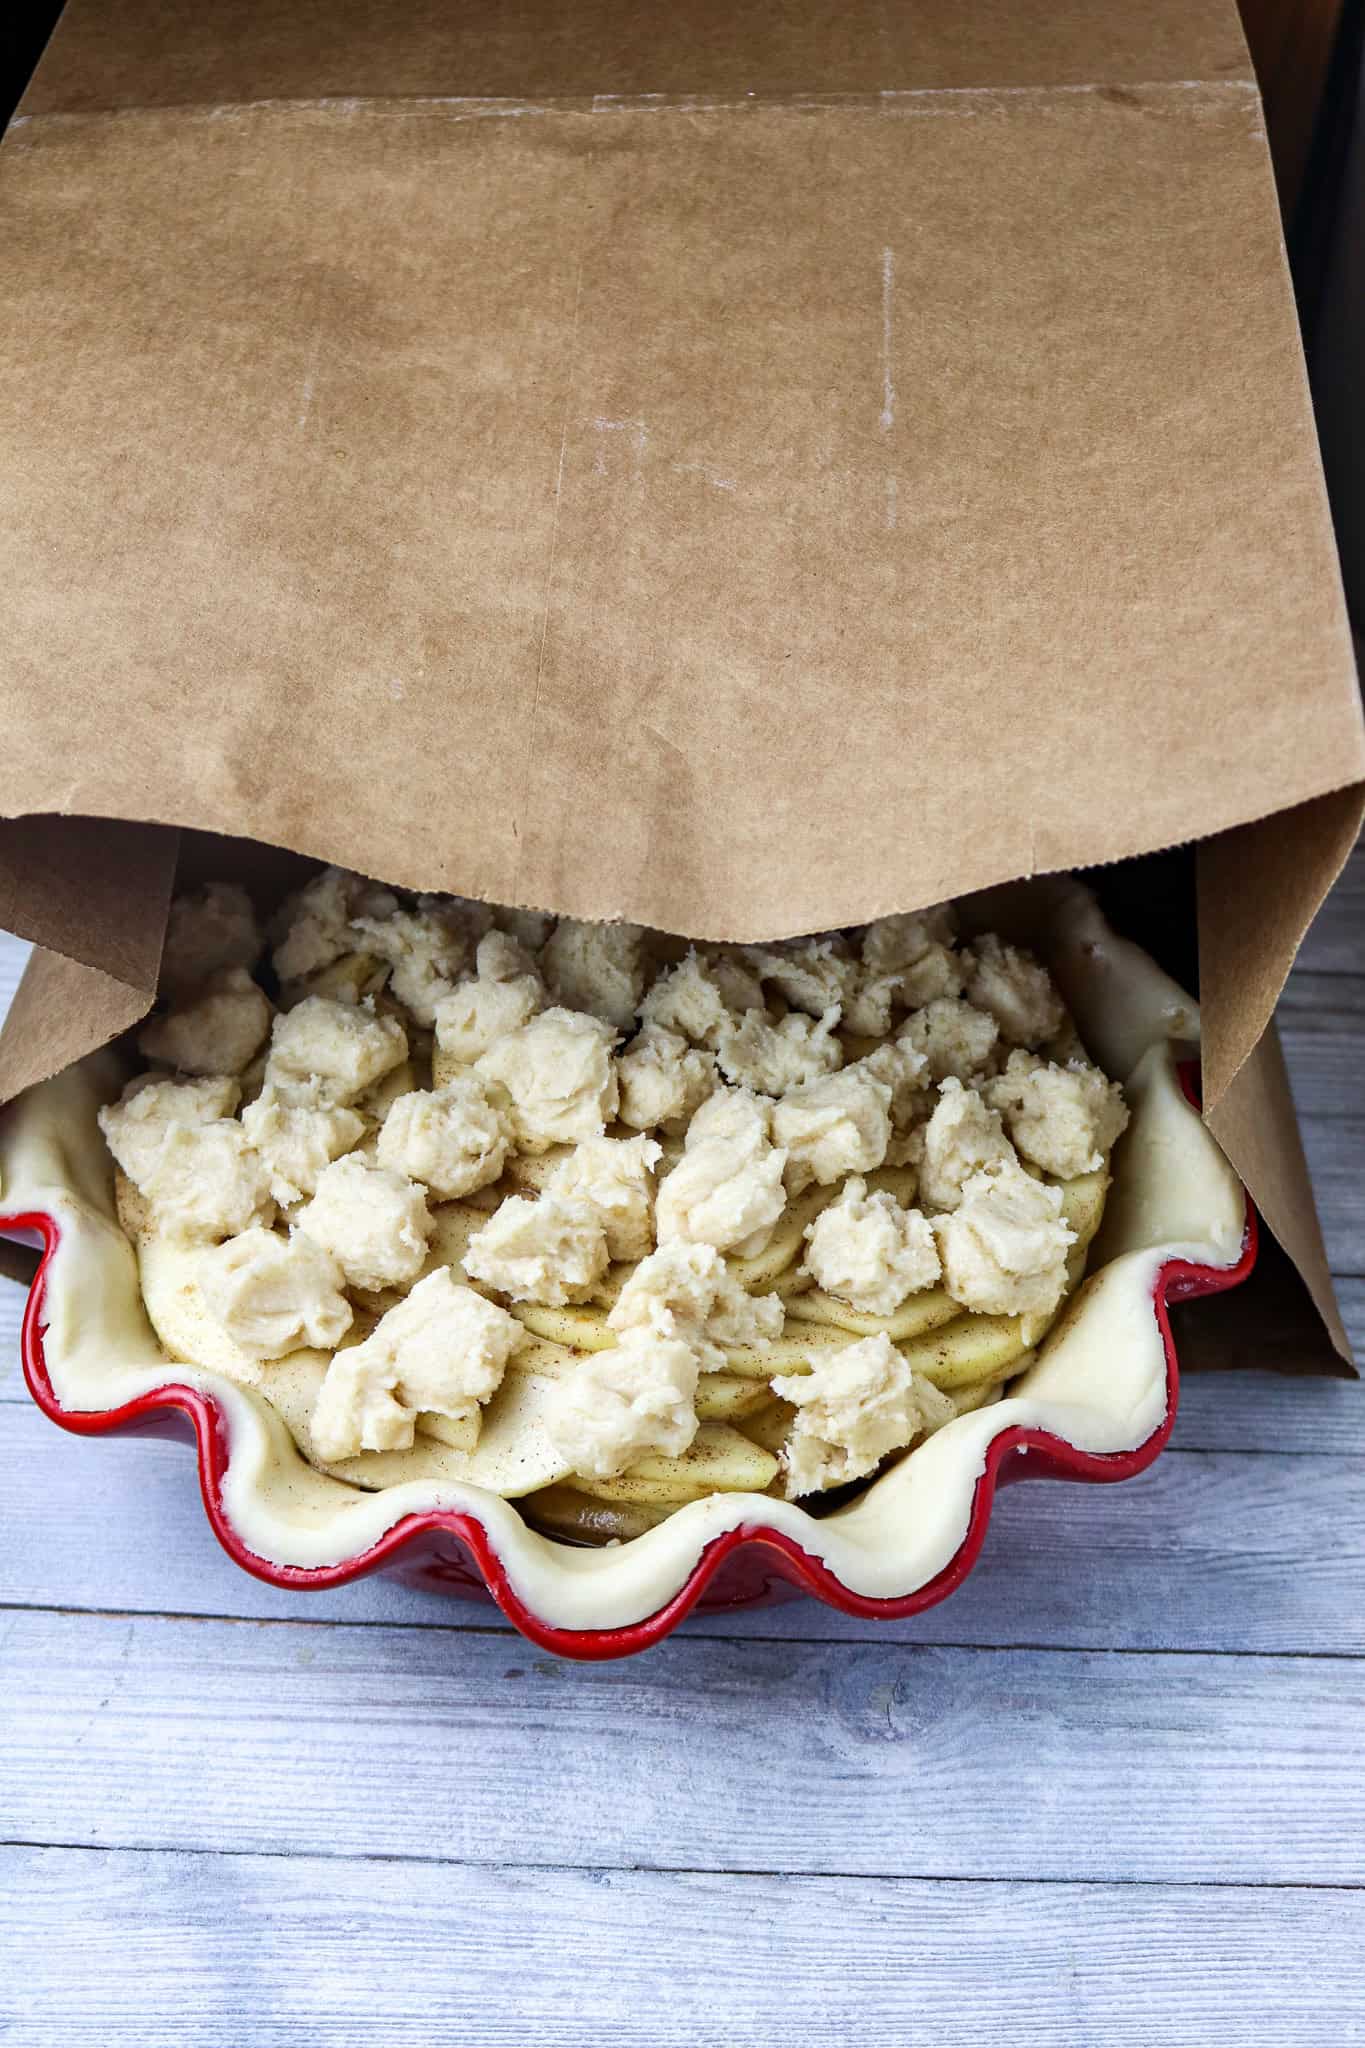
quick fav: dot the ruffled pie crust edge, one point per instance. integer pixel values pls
(1098, 1404)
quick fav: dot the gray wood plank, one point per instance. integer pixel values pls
(338, 1955)
(1268, 1411)
(830, 1759)
(1336, 941)
(1350, 1291)
(1260, 1414)
(1322, 1028)
(11, 1314)
(13, 960)
(1335, 1147)
(1209, 1550)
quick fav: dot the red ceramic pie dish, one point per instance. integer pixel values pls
(1096, 1402)
(744, 1566)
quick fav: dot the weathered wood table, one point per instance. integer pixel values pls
(1111, 1792)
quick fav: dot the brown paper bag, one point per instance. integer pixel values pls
(744, 470)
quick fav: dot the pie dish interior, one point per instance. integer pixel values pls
(1099, 1385)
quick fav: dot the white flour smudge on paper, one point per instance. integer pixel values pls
(888, 383)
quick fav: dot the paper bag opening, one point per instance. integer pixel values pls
(1286, 1316)
(749, 471)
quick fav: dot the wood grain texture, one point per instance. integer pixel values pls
(834, 1759)
(13, 960)
(1211, 1550)
(1336, 940)
(11, 1316)
(1267, 1411)
(344, 1955)
(1336, 1158)
(1322, 1028)
(1168, 1677)
(14, 955)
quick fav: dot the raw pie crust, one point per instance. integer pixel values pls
(1098, 1380)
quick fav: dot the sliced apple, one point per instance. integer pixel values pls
(719, 1460)
(900, 1181)
(1083, 1202)
(346, 980)
(784, 1249)
(507, 1452)
(920, 1313)
(796, 1280)
(771, 1427)
(576, 1517)
(973, 1349)
(169, 1272)
(512, 1456)
(540, 1354)
(966, 1400)
(578, 1325)
(723, 1397)
(793, 1351)
(459, 1435)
